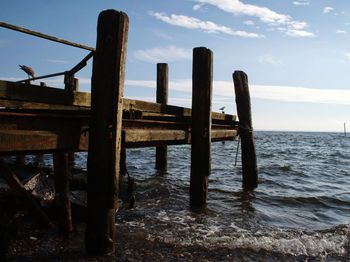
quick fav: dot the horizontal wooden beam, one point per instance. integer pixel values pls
(40, 94)
(5, 103)
(178, 111)
(30, 142)
(34, 96)
(75, 121)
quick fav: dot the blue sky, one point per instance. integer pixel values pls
(296, 53)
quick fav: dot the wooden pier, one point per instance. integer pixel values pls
(38, 119)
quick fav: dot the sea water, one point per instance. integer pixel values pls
(301, 207)
(300, 210)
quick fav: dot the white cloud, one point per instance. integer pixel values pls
(347, 55)
(163, 54)
(279, 93)
(301, 2)
(301, 94)
(238, 8)
(196, 7)
(340, 32)
(249, 22)
(206, 26)
(293, 28)
(268, 59)
(299, 33)
(328, 9)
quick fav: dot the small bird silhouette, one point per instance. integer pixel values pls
(28, 70)
(222, 108)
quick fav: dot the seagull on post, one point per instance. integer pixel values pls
(30, 72)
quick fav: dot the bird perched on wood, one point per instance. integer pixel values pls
(28, 70)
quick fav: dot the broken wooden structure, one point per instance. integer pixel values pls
(41, 119)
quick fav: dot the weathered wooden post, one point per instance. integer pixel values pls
(62, 193)
(162, 98)
(249, 165)
(71, 84)
(69, 81)
(105, 131)
(202, 77)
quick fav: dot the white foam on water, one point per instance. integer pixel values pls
(135, 224)
(184, 230)
(314, 244)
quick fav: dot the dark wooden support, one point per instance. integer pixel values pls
(105, 131)
(249, 165)
(71, 84)
(17, 186)
(162, 98)
(123, 156)
(62, 193)
(202, 77)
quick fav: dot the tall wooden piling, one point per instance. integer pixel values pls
(71, 84)
(62, 193)
(249, 165)
(162, 98)
(202, 77)
(105, 131)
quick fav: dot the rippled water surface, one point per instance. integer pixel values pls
(300, 208)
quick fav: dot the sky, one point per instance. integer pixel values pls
(296, 53)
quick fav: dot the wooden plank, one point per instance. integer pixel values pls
(143, 138)
(105, 131)
(39, 94)
(129, 104)
(202, 78)
(162, 98)
(249, 163)
(147, 124)
(33, 105)
(34, 96)
(74, 119)
(222, 135)
(33, 142)
(137, 137)
(29, 141)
